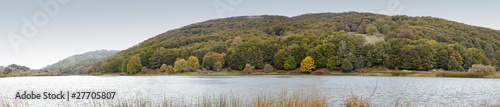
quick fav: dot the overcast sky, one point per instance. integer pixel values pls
(76, 26)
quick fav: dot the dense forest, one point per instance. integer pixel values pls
(337, 41)
(79, 64)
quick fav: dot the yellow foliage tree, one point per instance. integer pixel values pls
(180, 65)
(193, 62)
(307, 64)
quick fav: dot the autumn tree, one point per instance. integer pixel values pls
(181, 65)
(307, 65)
(193, 62)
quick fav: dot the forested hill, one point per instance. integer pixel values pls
(339, 41)
(79, 64)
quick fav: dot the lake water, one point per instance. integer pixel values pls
(421, 91)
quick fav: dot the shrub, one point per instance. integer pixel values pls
(163, 68)
(248, 68)
(268, 68)
(217, 66)
(144, 70)
(482, 68)
(169, 69)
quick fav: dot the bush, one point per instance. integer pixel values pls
(169, 69)
(268, 68)
(163, 68)
(144, 70)
(217, 66)
(248, 68)
(482, 68)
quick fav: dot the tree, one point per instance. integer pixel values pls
(125, 64)
(249, 68)
(290, 63)
(454, 66)
(361, 29)
(217, 66)
(112, 64)
(134, 66)
(181, 65)
(347, 29)
(346, 65)
(193, 62)
(307, 64)
(210, 58)
(95, 67)
(156, 58)
(279, 59)
(163, 68)
(333, 62)
(385, 29)
(490, 53)
(268, 68)
(371, 30)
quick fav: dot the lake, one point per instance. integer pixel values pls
(420, 91)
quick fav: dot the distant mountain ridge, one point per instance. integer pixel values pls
(78, 64)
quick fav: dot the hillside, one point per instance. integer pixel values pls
(79, 64)
(334, 40)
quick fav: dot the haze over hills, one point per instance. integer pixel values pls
(334, 40)
(79, 64)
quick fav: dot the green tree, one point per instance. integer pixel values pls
(371, 30)
(347, 29)
(307, 65)
(280, 58)
(125, 64)
(290, 63)
(454, 65)
(333, 62)
(134, 66)
(346, 66)
(156, 58)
